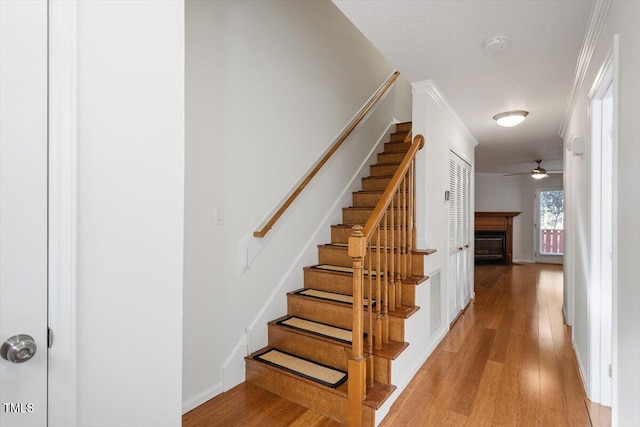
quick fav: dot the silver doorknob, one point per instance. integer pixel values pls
(18, 348)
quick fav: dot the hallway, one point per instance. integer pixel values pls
(506, 361)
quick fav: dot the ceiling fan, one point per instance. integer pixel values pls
(537, 173)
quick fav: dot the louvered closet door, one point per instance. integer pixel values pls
(459, 265)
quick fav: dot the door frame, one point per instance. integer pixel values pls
(603, 331)
(63, 83)
(537, 257)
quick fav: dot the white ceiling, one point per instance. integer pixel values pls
(442, 40)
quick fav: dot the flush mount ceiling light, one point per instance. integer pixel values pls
(510, 118)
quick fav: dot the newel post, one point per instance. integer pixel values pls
(357, 364)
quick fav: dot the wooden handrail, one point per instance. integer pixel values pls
(276, 216)
(387, 196)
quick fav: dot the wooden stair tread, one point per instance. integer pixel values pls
(375, 397)
(347, 271)
(378, 177)
(424, 251)
(404, 312)
(374, 192)
(311, 370)
(330, 297)
(378, 394)
(340, 390)
(369, 208)
(316, 329)
(387, 164)
(390, 350)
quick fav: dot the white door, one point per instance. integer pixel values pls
(23, 212)
(459, 264)
(455, 171)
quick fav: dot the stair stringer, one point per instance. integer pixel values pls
(255, 335)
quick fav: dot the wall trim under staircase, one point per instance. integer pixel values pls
(202, 397)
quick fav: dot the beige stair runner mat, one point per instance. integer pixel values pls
(341, 269)
(339, 334)
(308, 369)
(331, 296)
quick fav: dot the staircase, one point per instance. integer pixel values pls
(310, 349)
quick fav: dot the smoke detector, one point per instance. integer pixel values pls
(496, 43)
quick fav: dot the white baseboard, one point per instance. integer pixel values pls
(524, 261)
(566, 316)
(583, 376)
(201, 397)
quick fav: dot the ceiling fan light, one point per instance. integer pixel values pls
(510, 118)
(539, 174)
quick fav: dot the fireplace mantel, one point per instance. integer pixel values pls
(498, 221)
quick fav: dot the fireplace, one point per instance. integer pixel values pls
(494, 237)
(491, 246)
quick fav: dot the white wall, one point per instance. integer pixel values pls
(269, 86)
(130, 212)
(495, 192)
(623, 19)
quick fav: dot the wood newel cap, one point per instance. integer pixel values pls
(420, 140)
(357, 243)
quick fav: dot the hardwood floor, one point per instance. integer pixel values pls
(507, 361)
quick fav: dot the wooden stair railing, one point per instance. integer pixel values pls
(392, 223)
(365, 110)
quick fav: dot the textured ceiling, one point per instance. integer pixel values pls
(443, 40)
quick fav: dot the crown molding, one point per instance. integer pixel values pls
(430, 88)
(597, 18)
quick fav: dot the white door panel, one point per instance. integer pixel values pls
(23, 208)
(460, 209)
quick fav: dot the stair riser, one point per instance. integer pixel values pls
(338, 283)
(397, 136)
(361, 216)
(390, 157)
(343, 284)
(326, 402)
(338, 315)
(369, 200)
(319, 350)
(383, 170)
(403, 127)
(394, 147)
(370, 184)
(340, 256)
(341, 235)
(319, 311)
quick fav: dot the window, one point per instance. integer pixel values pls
(551, 220)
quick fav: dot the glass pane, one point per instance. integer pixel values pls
(551, 222)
